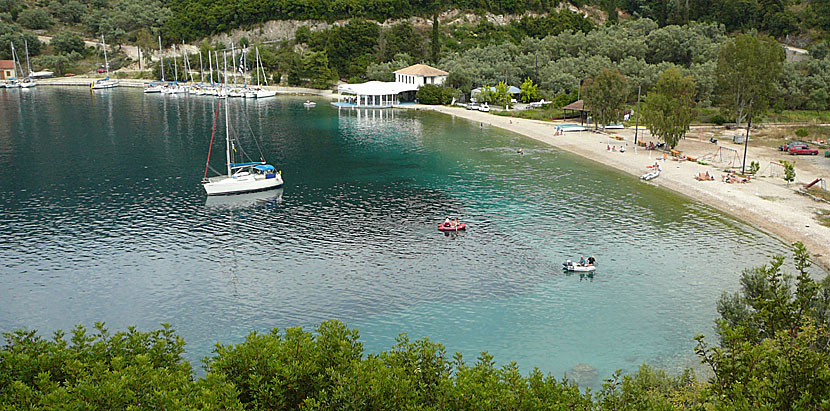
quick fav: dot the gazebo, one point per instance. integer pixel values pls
(579, 106)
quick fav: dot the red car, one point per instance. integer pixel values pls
(802, 149)
(101, 70)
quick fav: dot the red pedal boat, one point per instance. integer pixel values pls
(460, 227)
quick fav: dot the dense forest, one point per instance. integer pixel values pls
(195, 19)
(772, 351)
(555, 47)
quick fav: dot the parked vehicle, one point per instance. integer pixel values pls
(101, 70)
(802, 149)
(786, 147)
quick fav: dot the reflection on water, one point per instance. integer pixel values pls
(266, 198)
(103, 218)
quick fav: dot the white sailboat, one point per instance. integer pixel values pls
(242, 177)
(259, 92)
(13, 82)
(105, 83)
(174, 87)
(157, 87)
(28, 81)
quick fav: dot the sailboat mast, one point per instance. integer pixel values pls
(175, 67)
(257, 65)
(264, 77)
(227, 119)
(233, 62)
(218, 72)
(106, 61)
(201, 68)
(210, 67)
(161, 60)
(14, 62)
(28, 63)
(184, 64)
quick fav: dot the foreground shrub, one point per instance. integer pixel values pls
(773, 355)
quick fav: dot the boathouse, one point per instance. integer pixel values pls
(385, 94)
(374, 94)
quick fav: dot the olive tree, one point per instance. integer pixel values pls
(605, 96)
(669, 109)
(749, 66)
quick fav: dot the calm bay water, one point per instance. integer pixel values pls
(103, 219)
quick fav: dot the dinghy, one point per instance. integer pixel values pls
(460, 227)
(651, 175)
(571, 266)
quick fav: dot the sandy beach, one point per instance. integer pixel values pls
(766, 202)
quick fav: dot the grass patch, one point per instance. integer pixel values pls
(795, 116)
(772, 198)
(823, 217)
(776, 136)
(707, 115)
(818, 192)
(533, 114)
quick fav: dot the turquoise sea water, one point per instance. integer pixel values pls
(103, 219)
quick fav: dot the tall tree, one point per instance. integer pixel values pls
(749, 67)
(436, 44)
(668, 110)
(529, 91)
(605, 96)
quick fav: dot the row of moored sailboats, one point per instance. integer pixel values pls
(218, 88)
(15, 82)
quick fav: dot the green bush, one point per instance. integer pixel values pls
(802, 132)
(35, 19)
(66, 43)
(717, 119)
(774, 353)
(431, 94)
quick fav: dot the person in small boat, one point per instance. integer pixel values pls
(592, 260)
(456, 222)
(447, 222)
(581, 260)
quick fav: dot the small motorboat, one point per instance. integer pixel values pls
(309, 103)
(571, 266)
(444, 227)
(484, 108)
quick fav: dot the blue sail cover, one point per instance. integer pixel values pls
(266, 167)
(235, 165)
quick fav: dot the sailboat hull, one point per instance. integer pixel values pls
(224, 185)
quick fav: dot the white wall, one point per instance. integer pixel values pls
(419, 80)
